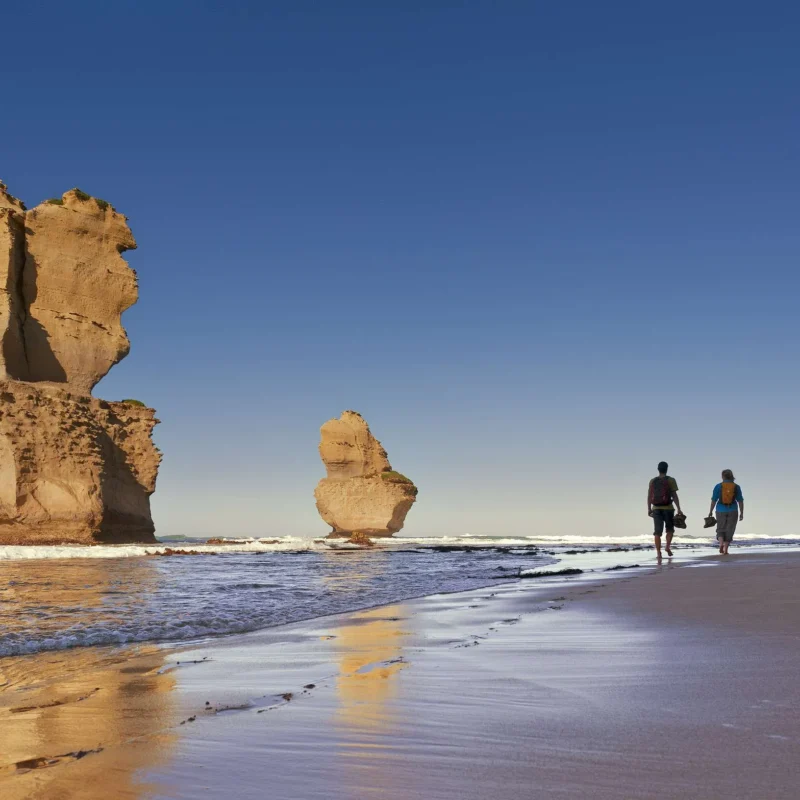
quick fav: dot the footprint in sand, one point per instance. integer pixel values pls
(42, 762)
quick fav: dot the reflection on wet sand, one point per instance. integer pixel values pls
(369, 648)
(65, 715)
(370, 655)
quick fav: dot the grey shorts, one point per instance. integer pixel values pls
(726, 525)
(663, 517)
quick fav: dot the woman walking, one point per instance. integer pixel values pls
(727, 495)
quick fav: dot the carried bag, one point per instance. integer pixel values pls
(680, 520)
(709, 522)
(661, 492)
(727, 494)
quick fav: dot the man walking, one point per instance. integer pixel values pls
(661, 494)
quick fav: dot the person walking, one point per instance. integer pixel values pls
(662, 497)
(727, 496)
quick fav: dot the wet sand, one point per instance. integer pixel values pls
(670, 682)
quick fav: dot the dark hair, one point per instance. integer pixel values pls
(727, 475)
(663, 467)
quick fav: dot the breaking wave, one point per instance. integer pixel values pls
(294, 544)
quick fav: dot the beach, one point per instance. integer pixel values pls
(664, 681)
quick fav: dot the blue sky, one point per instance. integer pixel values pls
(540, 246)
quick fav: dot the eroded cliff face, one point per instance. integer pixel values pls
(13, 360)
(65, 288)
(72, 468)
(361, 492)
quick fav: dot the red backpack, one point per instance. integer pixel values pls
(661, 492)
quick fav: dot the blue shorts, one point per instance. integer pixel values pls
(663, 518)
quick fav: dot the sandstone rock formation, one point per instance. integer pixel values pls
(361, 493)
(66, 286)
(72, 468)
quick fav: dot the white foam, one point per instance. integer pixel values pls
(285, 544)
(299, 544)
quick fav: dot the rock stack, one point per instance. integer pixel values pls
(73, 469)
(362, 493)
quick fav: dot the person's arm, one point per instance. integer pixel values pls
(650, 499)
(673, 487)
(740, 501)
(714, 499)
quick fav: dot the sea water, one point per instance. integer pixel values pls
(53, 598)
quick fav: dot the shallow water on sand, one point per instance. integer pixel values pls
(53, 604)
(58, 598)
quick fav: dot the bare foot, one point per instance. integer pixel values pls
(669, 552)
(722, 550)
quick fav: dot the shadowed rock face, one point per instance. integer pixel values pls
(66, 286)
(361, 493)
(72, 468)
(13, 360)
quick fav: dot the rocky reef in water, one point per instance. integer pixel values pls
(73, 469)
(361, 493)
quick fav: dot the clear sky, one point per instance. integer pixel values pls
(540, 246)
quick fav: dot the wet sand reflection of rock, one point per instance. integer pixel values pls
(64, 717)
(65, 714)
(370, 655)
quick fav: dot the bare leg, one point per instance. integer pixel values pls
(669, 542)
(657, 540)
(721, 545)
(725, 545)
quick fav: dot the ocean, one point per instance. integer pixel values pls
(54, 598)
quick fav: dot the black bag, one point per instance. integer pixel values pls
(662, 492)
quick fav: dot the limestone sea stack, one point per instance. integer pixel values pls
(73, 469)
(362, 493)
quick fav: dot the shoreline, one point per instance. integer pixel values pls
(382, 678)
(593, 560)
(120, 631)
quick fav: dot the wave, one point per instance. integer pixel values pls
(296, 544)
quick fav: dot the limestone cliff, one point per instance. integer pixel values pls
(66, 286)
(361, 492)
(72, 468)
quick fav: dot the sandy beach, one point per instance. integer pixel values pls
(662, 682)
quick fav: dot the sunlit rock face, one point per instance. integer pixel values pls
(72, 468)
(361, 492)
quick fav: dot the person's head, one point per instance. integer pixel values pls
(662, 467)
(727, 475)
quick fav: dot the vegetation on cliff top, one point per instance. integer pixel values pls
(131, 402)
(398, 477)
(84, 197)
